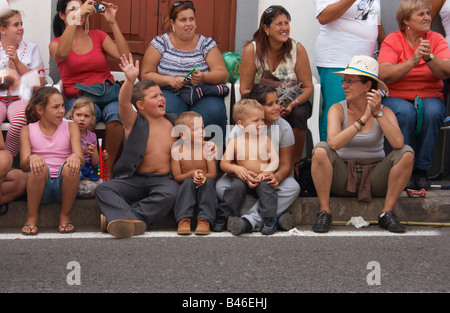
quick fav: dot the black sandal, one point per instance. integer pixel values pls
(4, 208)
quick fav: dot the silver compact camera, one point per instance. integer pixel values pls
(99, 7)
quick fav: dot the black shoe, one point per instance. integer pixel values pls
(390, 222)
(421, 179)
(220, 224)
(239, 226)
(286, 221)
(270, 226)
(322, 223)
(411, 184)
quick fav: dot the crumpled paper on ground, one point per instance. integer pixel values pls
(358, 222)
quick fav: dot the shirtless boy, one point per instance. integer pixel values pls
(142, 173)
(196, 172)
(250, 157)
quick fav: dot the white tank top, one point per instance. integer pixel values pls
(445, 18)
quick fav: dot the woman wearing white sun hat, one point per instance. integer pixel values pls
(352, 162)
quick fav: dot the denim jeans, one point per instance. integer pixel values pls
(212, 110)
(108, 114)
(434, 112)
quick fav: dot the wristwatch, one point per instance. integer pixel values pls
(380, 114)
(430, 58)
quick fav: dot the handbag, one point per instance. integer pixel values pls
(287, 91)
(304, 178)
(101, 93)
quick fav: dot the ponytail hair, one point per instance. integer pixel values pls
(39, 98)
(58, 24)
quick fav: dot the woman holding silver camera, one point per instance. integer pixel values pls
(81, 58)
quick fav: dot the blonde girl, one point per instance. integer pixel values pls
(50, 151)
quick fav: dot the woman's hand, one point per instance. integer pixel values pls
(110, 12)
(197, 77)
(176, 82)
(374, 101)
(422, 52)
(285, 111)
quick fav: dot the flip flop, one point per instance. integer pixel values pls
(64, 227)
(31, 227)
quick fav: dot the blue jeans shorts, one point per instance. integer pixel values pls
(108, 114)
(52, 189)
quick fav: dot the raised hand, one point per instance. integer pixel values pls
(131, 70)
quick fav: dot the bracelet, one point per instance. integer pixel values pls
(356, 128)
(298, 102)
(361, 122)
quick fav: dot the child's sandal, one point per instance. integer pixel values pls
(64, 230)
(30, 227)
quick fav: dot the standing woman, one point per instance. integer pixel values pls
(414, 61)
(81, 58)
(171, 56)
(442, 7)
(23, 57)
(347, 28)
(272, 49)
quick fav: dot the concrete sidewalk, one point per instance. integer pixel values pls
(434, 208)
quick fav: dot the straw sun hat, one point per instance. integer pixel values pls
(365, 66)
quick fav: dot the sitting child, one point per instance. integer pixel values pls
(250, 157)
(50, 151)
(83, 114)
(196, 173)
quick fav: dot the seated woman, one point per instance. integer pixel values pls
(170, 58)
(414, 61)
(22, 57)
(353, 161)
(274, 52)
(81, 58)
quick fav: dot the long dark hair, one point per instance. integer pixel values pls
(39, 98)
(58, 24)
(261, 39)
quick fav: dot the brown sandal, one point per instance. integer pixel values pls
(30, 227)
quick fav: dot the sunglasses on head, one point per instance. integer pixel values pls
(178, 3)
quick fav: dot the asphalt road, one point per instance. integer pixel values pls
(344, 260)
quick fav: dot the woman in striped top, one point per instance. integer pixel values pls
(170, 57)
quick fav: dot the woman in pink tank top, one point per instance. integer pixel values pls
(50, 151)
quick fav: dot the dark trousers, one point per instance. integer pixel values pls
(234, 197)
(204, 197)
(155, 196)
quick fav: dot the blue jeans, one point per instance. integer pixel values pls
(109, 113)
(434, 112)
(212, 110)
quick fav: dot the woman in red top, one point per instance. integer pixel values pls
(81, 58)
(414, 61)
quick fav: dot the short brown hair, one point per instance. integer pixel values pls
(407, 7)
(242, 107)
(184, 117)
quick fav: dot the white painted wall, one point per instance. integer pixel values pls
(37, 19)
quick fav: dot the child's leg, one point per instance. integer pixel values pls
(13, 185)
(267, 198)
(207, 201)
(69, 189)
(3, 108)
(185, 201)
(16, 116)
(35, 189)
(233, 198)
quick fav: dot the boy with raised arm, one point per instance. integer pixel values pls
(250, 157)
(142, 173)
